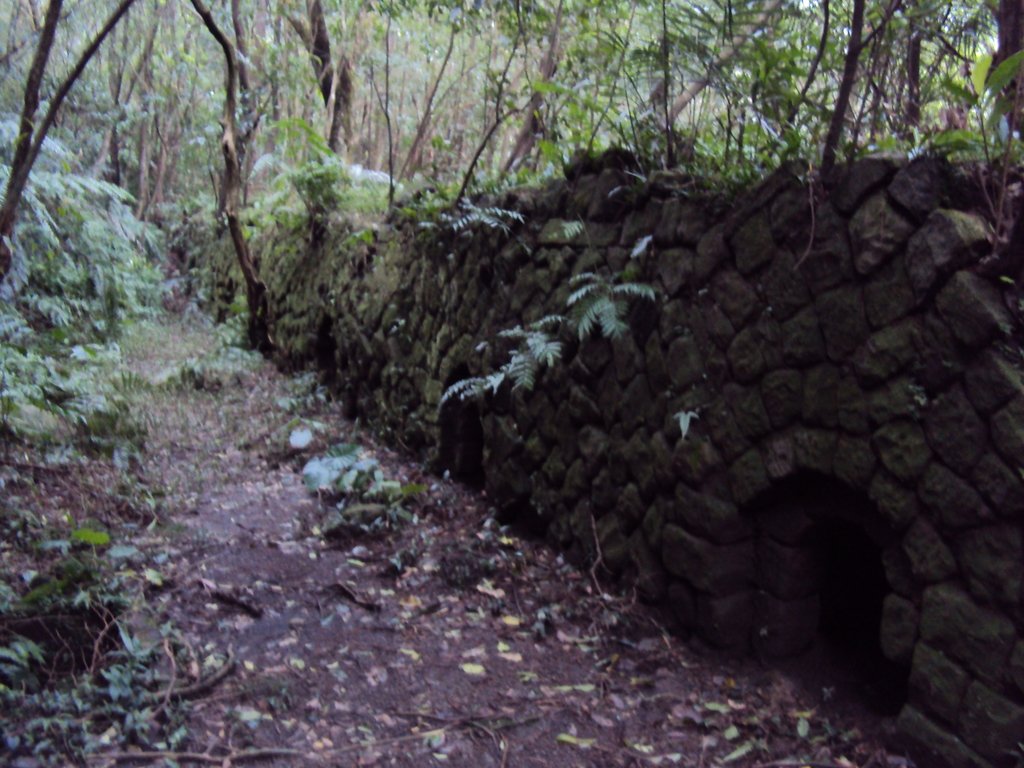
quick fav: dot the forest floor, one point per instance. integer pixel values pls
(436, 638)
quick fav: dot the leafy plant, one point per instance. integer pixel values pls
(369, 502)
(595, 303)
(598, 303)
(534, 348)
(471, 215)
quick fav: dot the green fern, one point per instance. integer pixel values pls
(572, 229)
(535, 348)
(596, 302)
(473, 215)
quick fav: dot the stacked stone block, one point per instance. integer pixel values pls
(858, 342)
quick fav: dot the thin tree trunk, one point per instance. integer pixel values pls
(533, 125)
(727, 54)
(30, 138)
(856, 45)
(256, 289)
(835, 128)
(143, 196)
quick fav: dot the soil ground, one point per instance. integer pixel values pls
(445, 640)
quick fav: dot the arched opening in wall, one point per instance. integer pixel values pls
(325, 350)
(821, 585)
(461, 451)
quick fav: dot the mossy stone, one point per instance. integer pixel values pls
(936, 683)
(930, 559)
(736, 297)
(991, 723)
(887, 352)
(973, 309)
(877, 233)
(955, 432)
(897, 505)
(821, 385)
(952, 501)
(843, 321)
(902, 449)
(949, 240)
(752, 243)
(933, 743)
(802, 342)
(898, 631)
(979, 638)
(748, 477)
(992, 381)
(708, 516)
(854, 462)
(782, 395)
(1007, 426)
(992, 561)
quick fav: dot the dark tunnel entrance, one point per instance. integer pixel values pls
(325, 351)
(821, 585)
(461, 451)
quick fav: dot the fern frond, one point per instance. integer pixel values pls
(586, 317)
(572, 229)
(634, 290)
(548, 322)
(609, 316)
(582, 293)
(464, 389)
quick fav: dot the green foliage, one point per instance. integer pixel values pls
(304, 167)
(535, 348)
(81, 270)
(72, 675)
(369, 501)
(598, 303)
(595, 303)
(471, 215)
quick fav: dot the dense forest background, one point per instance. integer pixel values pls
(127, 126)
(126, 108)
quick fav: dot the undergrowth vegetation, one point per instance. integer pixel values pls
(79, 665)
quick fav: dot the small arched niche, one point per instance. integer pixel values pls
(821, 584)
(461, 449)
(325, 350)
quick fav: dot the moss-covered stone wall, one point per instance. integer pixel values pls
(850, 363)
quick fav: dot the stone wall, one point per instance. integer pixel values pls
(849, 366)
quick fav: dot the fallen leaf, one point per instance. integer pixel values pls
(414, 655)
(568, 738)
(471, 668)
(485, 587)
(742, 750)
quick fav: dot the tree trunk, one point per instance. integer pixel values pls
(533, 126)
(256, 289)
(29, 142)
(913, 109)
(835, 128)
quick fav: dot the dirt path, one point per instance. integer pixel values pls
(443, 641)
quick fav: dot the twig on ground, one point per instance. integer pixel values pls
(233, 600)
(350, 594)
(174, 678)
(198, 687)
